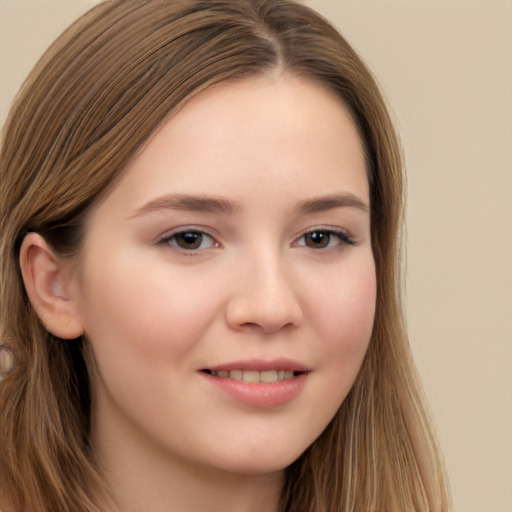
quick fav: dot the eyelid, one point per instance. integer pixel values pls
(345, 238)
(165, 238)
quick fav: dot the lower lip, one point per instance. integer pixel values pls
(260, 395)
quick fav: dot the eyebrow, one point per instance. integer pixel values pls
(330, 202)
(191, 203)
(212, 204)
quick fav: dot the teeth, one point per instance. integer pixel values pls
(255, 377)
(270, 376)
(252, 377)
(236, 374)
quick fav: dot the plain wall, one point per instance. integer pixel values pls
(446, 69)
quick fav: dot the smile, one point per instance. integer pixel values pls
(255, 377)
(263, 388)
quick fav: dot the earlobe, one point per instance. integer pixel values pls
(47, 280)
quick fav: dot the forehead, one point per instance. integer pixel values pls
(282, 135)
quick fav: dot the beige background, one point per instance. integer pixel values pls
(446, 68)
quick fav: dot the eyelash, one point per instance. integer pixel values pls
(343, 238)
(170, 239)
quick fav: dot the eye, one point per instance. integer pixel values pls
(189, 240)
(324, 239)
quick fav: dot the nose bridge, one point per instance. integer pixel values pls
(264, 296)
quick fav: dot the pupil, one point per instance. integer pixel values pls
(189, 240)
(317, 239)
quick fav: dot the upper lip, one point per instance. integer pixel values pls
(260, 365)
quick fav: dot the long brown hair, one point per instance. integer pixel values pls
(85, 110)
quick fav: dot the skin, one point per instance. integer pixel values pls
(255, 286)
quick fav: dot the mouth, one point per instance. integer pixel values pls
(254, 376)
(259, 383)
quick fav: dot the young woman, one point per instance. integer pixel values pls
(201, 206)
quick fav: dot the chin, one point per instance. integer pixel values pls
(260, 463)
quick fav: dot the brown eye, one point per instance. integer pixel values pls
(324, 239)
(317, 239)
(188, 240)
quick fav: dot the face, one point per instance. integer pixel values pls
(228, 284)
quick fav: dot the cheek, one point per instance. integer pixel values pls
(344, 318)
(346, 303)
(138, 317)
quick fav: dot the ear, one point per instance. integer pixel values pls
(48, 280)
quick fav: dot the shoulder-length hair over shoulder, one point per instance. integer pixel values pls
(89, 105)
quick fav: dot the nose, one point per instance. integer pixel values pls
(264, 298)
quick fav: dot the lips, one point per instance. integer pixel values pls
(259, 383)
(260, 365)
(258, 371)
